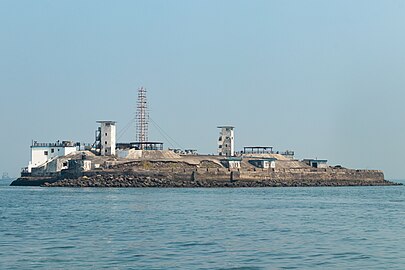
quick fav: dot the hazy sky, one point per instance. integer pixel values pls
(323, 78)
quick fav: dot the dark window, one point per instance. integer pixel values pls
(106, 150)
(106, 134)
(45, 153)
(220, 146)
(65, 164)
(105, 142)
(52, 150)
(315, 165)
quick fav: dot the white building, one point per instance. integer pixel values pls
(232, 162)
(107, 138)
(265, 163)
(226, 144)
(42, 153)
(316, 163)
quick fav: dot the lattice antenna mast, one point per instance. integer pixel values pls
(142, 117)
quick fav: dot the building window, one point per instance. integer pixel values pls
(45, 153)
(106, 150)
(106, 134)
(105, 142)
(52, 150)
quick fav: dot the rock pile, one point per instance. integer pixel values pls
(155, 181)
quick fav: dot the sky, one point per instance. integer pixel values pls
(323, 78)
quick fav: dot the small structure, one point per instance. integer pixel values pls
(190, 152)
(288, 154)
(226, 141)
(176, 150)
(231, 162)
(316, 163)
(258, 150)
(265, 163)
(141, 146)
(106, 138)
(42, 153)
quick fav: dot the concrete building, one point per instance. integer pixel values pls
(265, 163)
(226, 141)
(232, 162)
(107, 138)
(42, 153)
(316, 163)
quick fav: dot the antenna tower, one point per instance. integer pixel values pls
(142, 117)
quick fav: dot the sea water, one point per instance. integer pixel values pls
(224, 228)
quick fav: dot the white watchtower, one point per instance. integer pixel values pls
(226, 141)
(107, 138)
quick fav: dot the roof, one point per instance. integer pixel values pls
(106, 122)
(316, 160)
(266, 159)
(259, 147)
(146, 143)
(233, 159)
(225, 127)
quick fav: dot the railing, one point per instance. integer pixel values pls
(287, 153)
(57, 144)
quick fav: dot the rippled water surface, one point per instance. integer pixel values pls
(256, 228)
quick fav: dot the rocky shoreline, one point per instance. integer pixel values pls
(142, 181)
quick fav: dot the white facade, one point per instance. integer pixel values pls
(269, 164)
(41, 153)
(107, 138)
(234, 164)
(226, 141)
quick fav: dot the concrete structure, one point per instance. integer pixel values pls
(107, 138)
(316, 163)
(258, 150)
(42, 153)
(265, 163)
(232, 162)
(288, 154)
(226, 141)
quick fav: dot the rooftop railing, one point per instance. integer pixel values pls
(56, 144)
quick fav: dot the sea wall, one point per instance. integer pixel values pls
(223, 178)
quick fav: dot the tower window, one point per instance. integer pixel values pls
(52, 150)
(105, 142)
(105, 134)
(45, 153)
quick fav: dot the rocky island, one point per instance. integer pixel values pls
(165, 168)
(144, 163)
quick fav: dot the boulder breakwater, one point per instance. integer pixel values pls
(213, 178)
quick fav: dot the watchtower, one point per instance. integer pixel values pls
(226, 141)
(107, 138)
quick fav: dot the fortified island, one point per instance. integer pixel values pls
(144, 163)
